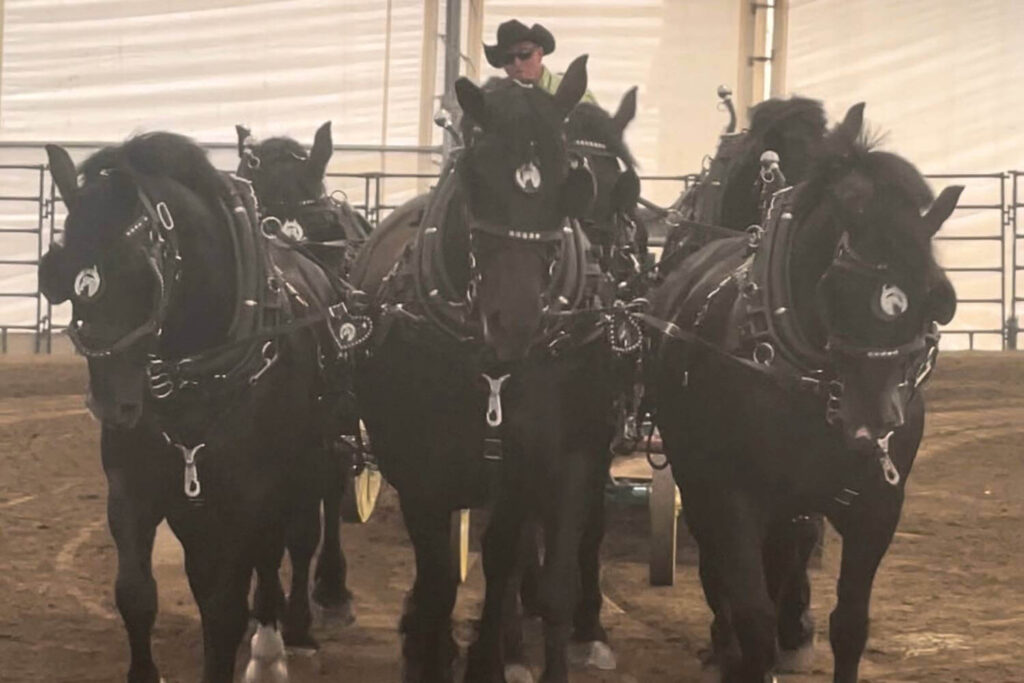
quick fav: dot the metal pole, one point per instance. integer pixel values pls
(452, 59)
(780, 48)
(428, 88)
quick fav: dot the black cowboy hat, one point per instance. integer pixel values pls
(514, 31)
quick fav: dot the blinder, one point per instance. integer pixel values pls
(152, 233)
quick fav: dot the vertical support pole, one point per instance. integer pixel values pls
(452, 59)
(475, 39)
(1012, 322)
(745, 70)
(759, 51)
(385, 95)
(428, 87)
(1, 60)
(780, 48)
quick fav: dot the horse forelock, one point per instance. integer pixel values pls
(895, 192)
(280, 149)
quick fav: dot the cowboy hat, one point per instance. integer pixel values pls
(514, 31)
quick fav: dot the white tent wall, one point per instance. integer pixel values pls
(941, 79)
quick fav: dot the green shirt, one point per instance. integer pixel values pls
(550, 82)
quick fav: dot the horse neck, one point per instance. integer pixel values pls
(202, 300)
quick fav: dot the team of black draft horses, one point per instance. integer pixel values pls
(492, 336)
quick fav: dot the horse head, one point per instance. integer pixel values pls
(518, 188)
(877, 290)
(596, 143)
(138, 275)
(289, 182)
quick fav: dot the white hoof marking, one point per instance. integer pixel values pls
(799, 661)
(267, 662)
(595, 655)
(517, 673)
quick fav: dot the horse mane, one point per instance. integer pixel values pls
(893, 179)
(767, 115)
(161, 155)
(590, 122)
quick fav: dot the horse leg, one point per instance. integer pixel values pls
(267, 662)
(591, 639)
(525, 569)
(428, 648)
(744, 596)
(529, 556)
(867, 529)
(330, 590)
(302, 536)
(564, 518)
(787, 554)
(501, 544)
(219, 575)
(133, 525)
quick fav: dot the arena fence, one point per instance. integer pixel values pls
(985, 231)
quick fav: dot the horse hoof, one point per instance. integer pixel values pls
(339, 614)
(517, 673)
(798, 661)
(266, 657)
(594, 654)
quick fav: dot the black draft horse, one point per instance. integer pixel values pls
(289, 184)
(728, 198)
(618, 244)
(787, 383)
(202, 338)
(478, 339)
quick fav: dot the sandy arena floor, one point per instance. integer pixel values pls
(948, 602)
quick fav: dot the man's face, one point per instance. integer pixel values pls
(524, 64)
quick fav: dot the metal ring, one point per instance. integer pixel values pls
(764, 354)
(164, 214)
(269, 220)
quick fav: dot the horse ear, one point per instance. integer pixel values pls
(578, 193)
(849, 130)
(573, 85)
(244, 139)
(941, 208)
(64, 174)
(626, 110)
(942, 300)
(626, 192)
(320, 153)
(471, 99)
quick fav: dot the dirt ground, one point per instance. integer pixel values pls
(948, 602)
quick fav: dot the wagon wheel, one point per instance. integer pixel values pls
(664, 505)
(458, 544)
(360, 495)
(362, 489)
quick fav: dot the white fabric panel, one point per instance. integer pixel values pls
(101, 69)
(941, 77)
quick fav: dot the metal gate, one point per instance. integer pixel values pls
(29, 213)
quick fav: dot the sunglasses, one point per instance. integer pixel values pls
(521, 56)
